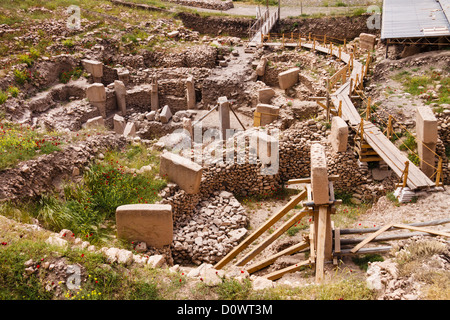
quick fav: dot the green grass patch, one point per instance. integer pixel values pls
(88, 208)
(20, 143)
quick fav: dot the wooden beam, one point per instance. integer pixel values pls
(337, 244)
(371, 237)
(389, 237)
(268, 261)
(247, 241)
(416, 224)
(346, 252)
(321, 242)
(308, 180)
(436, 232)
(275, 235)
(279, 273)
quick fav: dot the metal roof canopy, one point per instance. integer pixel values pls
(415, 19)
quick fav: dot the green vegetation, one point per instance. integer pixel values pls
(88, 208)
(19, 143)
(409, 143)
(3, 97)
(14, 91)
(363, 261)
(420, 84)
(75, 74)
(22, 76)
(68, 43)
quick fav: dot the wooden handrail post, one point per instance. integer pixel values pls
(368, 109)
(389, 128)
(340, 109)
(361, 133)
(405, 174)
(438, 172)
(283, 41)
(325, 40)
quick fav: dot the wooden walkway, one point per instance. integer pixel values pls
(393, 157)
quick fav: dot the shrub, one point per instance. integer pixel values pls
(25, 58)
(22, 76)
(3, 97)
(68, 43)
(66, 76)
(14, 91)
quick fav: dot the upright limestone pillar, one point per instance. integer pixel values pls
(96, 95)
(190, 93)
(427, 135)
(121, 92)
(224, 116)
(154, 95)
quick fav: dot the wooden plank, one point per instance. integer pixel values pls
(389, 237)
(321, 242)
(312, 244)
(275, 235)
(247, 241)
(371, 237)
(395, 158)
(346, 252)
(416, 224)
(409, 227)
(279, 273)
(268, 261)
(308, 180)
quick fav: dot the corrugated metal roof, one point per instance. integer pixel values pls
(415, 18)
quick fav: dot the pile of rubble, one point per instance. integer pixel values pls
(216, 226)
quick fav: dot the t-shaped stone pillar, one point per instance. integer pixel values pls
(95, 68)
(427, 134)
(319, 175)
(96, 95)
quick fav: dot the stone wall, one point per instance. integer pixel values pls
(247, 180)
(339, 27)
(216, 25)
(207, 4)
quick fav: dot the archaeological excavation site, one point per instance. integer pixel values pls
(224, 150)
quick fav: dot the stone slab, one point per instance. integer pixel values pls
(288, 78)
(165, 114)
(95, 122)
(339, 134)
(265, 95)
(269, 113)
(182, 171)
(119, 124)
(150, 223)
